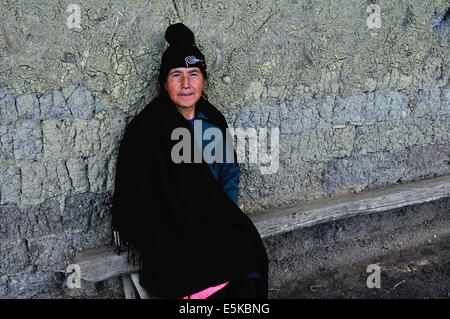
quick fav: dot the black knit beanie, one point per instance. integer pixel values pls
(182, 51)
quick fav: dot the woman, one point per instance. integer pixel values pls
(182, 215)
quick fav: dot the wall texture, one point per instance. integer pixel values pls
(357, 108)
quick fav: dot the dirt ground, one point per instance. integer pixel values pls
(419, 273)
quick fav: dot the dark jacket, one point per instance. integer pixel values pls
(190, 234)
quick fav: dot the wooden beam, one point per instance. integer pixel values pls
(102, 263)
(324, 210)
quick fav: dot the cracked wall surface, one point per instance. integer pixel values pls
(357, 108)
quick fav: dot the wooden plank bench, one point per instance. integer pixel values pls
(103, 263)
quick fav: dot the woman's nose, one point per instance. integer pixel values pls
(185, 81)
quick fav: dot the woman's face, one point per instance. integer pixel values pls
(185, 86)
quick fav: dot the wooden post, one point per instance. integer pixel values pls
(141, 290)
(128, 287)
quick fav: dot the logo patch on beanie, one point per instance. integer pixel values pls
(191, 60)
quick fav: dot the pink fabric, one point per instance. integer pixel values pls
(207, 292)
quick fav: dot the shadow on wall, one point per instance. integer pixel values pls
(441, 24)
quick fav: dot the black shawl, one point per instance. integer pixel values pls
(189, 233)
